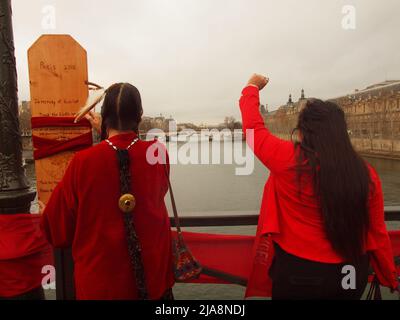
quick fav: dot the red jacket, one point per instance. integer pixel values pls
(296, 224)
(83, 213)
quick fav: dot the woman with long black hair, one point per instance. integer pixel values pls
(322, 205)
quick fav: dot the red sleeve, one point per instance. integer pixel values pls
(273, 152)
(378, 241)
(58, 220)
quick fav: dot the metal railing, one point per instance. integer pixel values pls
(392, 213)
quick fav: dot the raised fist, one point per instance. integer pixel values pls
(258, 81)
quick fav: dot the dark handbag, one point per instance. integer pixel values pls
(186, 267)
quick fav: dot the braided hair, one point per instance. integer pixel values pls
(122, 109)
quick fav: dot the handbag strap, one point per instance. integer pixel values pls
(207, 271)
(171, 194)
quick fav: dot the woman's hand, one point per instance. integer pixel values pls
(42, 207)
(258, 81)
(95, 120)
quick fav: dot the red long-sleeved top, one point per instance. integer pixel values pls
(83, 213)
(296, 224)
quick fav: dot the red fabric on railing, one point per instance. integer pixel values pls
(48, 147)
(230, 254)
(23, 253)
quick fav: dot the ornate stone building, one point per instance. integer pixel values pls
(373, 118)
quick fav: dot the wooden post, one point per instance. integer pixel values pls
(58, 84)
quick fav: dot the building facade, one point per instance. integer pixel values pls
(372, 114)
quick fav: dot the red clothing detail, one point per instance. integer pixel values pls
(24, 251)
(296, 224)
(83, 213)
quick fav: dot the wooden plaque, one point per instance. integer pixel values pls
(58, 85)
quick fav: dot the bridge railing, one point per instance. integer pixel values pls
(392, 213)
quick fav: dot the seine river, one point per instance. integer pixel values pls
(210, 189)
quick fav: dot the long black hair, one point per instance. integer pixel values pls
(122, 109)
(341, 177)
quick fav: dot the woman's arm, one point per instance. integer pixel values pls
(273, 152)
(378, 241)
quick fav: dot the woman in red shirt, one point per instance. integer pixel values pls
(110, 209)
(322, 205)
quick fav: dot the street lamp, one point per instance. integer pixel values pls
(15, 194)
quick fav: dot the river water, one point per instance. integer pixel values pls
(210, 189)
(213, 188)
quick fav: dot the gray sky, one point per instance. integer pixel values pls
(191, 58)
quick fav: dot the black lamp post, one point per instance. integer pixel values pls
(15, 194)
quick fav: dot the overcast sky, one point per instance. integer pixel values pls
(191, 58)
